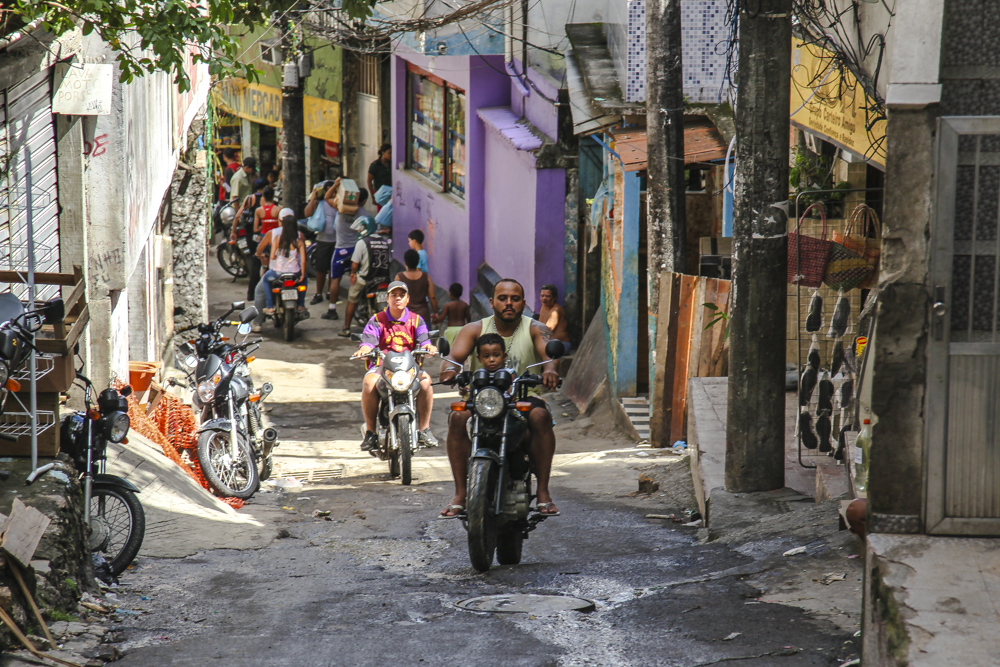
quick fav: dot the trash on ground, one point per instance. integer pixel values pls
(662, 516)
(831, 577)
(679, 445)
(320, 513)
(731, 636)
(287, 483)
(647, 484)
(693, 524)
(795, 552)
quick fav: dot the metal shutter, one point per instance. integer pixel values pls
(28, 137)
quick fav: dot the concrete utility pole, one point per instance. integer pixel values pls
(293, 148)
(665, 205)
(755, 428)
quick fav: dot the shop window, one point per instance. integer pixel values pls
(436, 132)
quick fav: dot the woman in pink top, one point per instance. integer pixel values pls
(288, 255)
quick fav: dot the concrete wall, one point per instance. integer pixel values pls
(453, 227)
(325, 80)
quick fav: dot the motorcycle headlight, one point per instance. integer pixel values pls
(401, 380)
(489, 403)
(206, 389)
(119, 427)
(4, 373)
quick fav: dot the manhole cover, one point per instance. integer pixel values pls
(528, 604)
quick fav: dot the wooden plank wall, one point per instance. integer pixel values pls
(686, 349)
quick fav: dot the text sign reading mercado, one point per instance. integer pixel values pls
(262, 104)
(827, 100)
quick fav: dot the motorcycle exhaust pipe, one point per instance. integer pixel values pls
(270, 437)
(265, 391)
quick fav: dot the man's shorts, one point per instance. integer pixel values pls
(341, 262)
(357, 291)
(322, 256)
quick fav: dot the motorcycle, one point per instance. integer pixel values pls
(286, 310)
(397, 421)
(234, 256)
(375, 300)
(112, 513)
(498, 515)
(17, 334)
(232, 440)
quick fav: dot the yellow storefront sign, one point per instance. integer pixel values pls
(827, 100)
(262, 104)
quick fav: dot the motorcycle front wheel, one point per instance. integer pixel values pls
(361, 314)
(231, 260)
(228, 478)
(117, 525)
(479, 510)
(404, 433)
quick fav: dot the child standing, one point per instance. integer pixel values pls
(416, 238)
(456, 313)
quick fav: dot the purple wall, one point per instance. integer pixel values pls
(454, 229)
(539, 111)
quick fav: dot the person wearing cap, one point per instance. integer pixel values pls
(287, 255)
(396, 328)
(239, 185)
(370, 263)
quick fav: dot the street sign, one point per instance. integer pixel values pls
(82, 89)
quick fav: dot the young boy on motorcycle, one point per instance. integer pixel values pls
(395, 328)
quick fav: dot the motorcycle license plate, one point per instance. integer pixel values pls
(241, 244)
(287, 294)
(382, 298)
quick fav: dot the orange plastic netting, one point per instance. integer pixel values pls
(174, 428)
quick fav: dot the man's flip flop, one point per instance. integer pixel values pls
(539, 507)
(458, 509)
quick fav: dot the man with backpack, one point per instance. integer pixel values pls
(370, 263)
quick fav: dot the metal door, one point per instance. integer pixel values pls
(963, 397)
(28, 182)
(368, 134)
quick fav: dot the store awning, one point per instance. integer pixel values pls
(702, 144)
(262, 104)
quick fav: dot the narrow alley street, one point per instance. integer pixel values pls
(379, 577)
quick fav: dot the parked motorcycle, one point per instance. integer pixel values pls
(17, 335)
(111, 511)
(235, 451)
(376, 299)
(286, 310)
(498, 513)
(397, 422)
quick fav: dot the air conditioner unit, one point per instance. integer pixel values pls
(270, 51)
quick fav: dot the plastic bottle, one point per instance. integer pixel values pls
(862, 451)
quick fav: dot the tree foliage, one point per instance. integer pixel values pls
(160, 35)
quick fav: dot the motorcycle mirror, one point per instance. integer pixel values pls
(248, 315)
(191, 361)
(126, 391)
(54, 311)
(356, 337)
(243, 329)
(443, 346)
(238, 305)
(554, 349)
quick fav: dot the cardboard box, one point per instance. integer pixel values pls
(347, 196)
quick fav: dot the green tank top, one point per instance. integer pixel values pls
(521, 351)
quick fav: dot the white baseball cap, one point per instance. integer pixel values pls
(286, 213)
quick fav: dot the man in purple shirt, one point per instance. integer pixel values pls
(396, 328)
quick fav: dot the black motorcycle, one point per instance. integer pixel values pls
(376, 299)
(397, 422)
(232, 440)
(114, 516)
(17, 336)
(286, 311)
(498, 513)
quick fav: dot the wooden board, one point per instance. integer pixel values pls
(685, 321)
(23, 532)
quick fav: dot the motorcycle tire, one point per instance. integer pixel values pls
(266, 468)
(238, 480)
(361, 314)
(120, 513)
(479, 510)
(231, 260)
(404, 432)
(289, 324)
(310, 266)
(509, 542)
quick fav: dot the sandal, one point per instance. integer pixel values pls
(459, 511)
(541, 507)
(269, 311)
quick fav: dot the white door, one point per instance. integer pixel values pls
(368, 135)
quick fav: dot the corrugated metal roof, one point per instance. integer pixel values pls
(702, 143)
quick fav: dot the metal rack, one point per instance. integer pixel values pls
(799, 298)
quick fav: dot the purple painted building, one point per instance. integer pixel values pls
(471, 170)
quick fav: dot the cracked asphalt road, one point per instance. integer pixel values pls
(377, 580)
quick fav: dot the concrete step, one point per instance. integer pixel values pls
(637, 411)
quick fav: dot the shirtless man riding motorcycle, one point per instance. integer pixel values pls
(525, 341)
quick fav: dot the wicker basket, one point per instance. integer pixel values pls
(808, 255)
